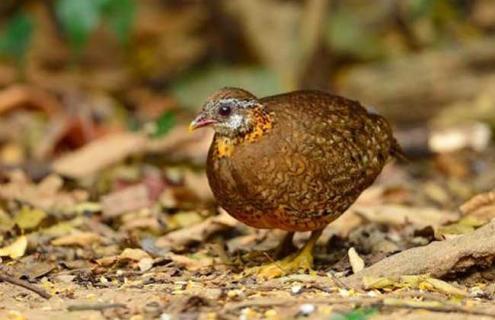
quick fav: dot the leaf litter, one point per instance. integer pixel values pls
(99, 221)
(117, 235)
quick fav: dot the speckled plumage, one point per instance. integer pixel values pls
(312, 156)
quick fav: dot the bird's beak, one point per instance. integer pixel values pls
(199, 122)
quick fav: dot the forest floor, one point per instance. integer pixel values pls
(176, 259)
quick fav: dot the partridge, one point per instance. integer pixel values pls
(294, 161)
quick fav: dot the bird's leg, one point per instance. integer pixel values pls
(283, 249)
(301, 260)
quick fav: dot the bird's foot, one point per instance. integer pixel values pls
(301, 261)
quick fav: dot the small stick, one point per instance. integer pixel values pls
(338, 282)
(98, 306)
(26, 285)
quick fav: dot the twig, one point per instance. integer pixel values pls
(98, 306)
(26, 285)
(338, 282)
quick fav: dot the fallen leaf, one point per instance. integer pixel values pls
(62, 228)
(444, 287)
(22, 95)
(377, 282)
(47, 195)
(87, 206)
(356, 261)
(399, 215)
(134, 254)
(99, 154)
(198, 232)
(129, 199)
(81, 239)
(145, 264)
(107, 261)
(481, 206)
(422, 282)
(33, 269)
(465, 225)
(190, 263)
(28, 218)
(16, 249)
(6, 222)
(184, 219)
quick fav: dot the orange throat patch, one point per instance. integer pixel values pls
(263, 123)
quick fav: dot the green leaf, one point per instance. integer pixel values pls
(120, 16)
(164, 124)
(192, 90)
(358, 314)
(420, 8)
(348, 34)
(78, 18)
(16, 37)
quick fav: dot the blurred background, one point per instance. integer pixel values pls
(96, 96)
(100, 91)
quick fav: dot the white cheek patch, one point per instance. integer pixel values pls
(235, 121)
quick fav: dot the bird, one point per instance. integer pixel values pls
(294, 161)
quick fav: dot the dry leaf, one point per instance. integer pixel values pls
(423, 282)
(180, 144)
(16, 249)
(465, 225)
(134, 254)
(190, 263)
(444, 287)
(145, 264)
(6, 222)
(82, 239)
(21, 95)
(99, 154)
(481, 206)
(377, 282)
(107, 261)
(356, 261)
(398, 215)
(129, 199)
(29, 218)
(47, 195)
(198, 232)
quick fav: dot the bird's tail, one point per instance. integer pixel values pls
(397, 152)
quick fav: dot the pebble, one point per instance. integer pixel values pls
(307, 309)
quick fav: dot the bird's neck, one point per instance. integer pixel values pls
(262, 123)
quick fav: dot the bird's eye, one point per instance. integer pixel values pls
(224, 110)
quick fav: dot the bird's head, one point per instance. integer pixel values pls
(231, 112)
